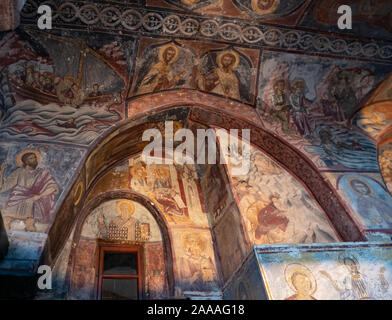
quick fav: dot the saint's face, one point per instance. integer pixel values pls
(124, 209)
(193, 245)
(302, 284)
(32, 161)
(227, 60)
(360, 187)
(169, 54)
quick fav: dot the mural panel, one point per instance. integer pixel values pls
(218, 69)
(119, 220)
(269, 9)
(275, 207)
(33, 178)
(195, 260)
(320, 272)
(385, 160)
(371, 18)
(369, 200)
(310, 102)
(52, 87)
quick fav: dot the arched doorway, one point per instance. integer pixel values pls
(128, 229)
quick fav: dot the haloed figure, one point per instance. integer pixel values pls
(222, 80)
(32, 191)
(161, 77)
(300, 280)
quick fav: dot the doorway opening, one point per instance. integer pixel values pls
(120, 272)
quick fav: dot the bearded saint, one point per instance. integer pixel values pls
(32, 191)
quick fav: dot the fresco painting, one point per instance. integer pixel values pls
(269, 9)
(370, 17)
(276, 208)
(33, 179)
(311, 101)
(195, 261)
(119, 220)
(385, 161)
(369, 200)
(225, 71)
(75, 101)
(56, 92)
(351, 271)
(173, 188)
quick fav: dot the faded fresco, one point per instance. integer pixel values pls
(385, 161)
(348, 272)
(119, 220)
(369, 200)
(269, 9)
(175, 190)
(52, 88)
(195, 260)
(275, 207)
(310, 101)
(370, 17)
(33, 178)
(226, 71)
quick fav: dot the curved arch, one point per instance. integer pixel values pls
(125, 140)
(144, 201)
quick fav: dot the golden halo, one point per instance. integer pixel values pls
(78, 192)
(163, 49)
(270, 7)
(293, 268)
(223, 53)
(21, 154)
(127, 202)
(201, 239)
(134, 168)
(349, 180)
(164, 170)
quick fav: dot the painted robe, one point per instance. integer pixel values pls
(24, 185)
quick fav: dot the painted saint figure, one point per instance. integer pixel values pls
(356, 285)
(281, 108)
(344, 93)
(32, 191)
(271, 222)
(165, 194)
(222, 79)
(138, 179)
(301, 280)
(161, 77)
(368, 204)
(197, 268)
(299, 111)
